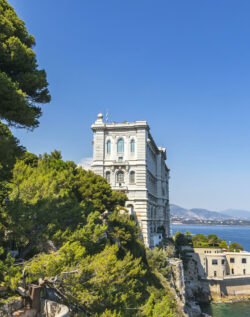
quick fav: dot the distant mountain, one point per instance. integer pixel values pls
(197, 213)
(237, 213)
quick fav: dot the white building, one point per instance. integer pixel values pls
(127, 156)
(216, 263)
(217, 273)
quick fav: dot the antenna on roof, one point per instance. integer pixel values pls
(107, 116)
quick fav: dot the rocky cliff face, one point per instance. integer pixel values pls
(184, 291)
(10, 307)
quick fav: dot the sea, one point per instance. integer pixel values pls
(240, 234)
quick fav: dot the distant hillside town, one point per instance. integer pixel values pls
(204, 216)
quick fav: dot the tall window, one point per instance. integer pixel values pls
(132, 177)
(120, 177)
(132, 146)
(108, 176)
(131, 209)
(109, 147)
(120, 146)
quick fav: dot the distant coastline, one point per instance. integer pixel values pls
(205, 222)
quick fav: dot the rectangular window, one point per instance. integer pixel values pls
(120, 177)
(120, 146)
(244, 271)
(132, 146)
(231, 260)
(232, 271)
(132, 177)
(108, 177)
(243, 260)
(120, 159)
(215, 273)
(222, 261)
(109, 147)
(214, 262)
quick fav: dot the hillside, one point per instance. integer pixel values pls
(243, 214)
(198, 213)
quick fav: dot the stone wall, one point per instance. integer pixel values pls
(237, 287)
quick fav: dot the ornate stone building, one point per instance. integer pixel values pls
(127, 156)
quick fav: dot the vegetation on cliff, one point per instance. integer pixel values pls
(201, 241)
(61, 218)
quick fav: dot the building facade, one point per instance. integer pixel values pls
(215, 263)
(127, 156)
(218, 273)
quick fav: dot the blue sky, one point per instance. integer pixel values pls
(184, 66)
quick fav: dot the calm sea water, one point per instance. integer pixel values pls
(229, 233)
(228, 310)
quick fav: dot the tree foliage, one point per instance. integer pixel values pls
(10, 151)
(9, 274)
(22, 85)
(166, 306)
(55, 202)
(181, 239)
(50, 196)
(235, 247)
(157, 260)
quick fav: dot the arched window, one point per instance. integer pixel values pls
(131, 209)
(132, 146)
(120, 146)
(109, 147)
(132, 177)
(108, 176)
(120, 177)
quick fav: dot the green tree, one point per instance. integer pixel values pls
(213, 240)
(10, 151)
(9, 275)
(180, 239)
(96, 240)
(163, 307)
(124, 231)
(101, 281)
(50, 196)
(157, 260)
(223, 244)
(97, 193)
(235, 247)
(22, 85)
(200, 240)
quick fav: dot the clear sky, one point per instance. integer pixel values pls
(184, 66)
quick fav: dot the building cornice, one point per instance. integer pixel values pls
(124, 126)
